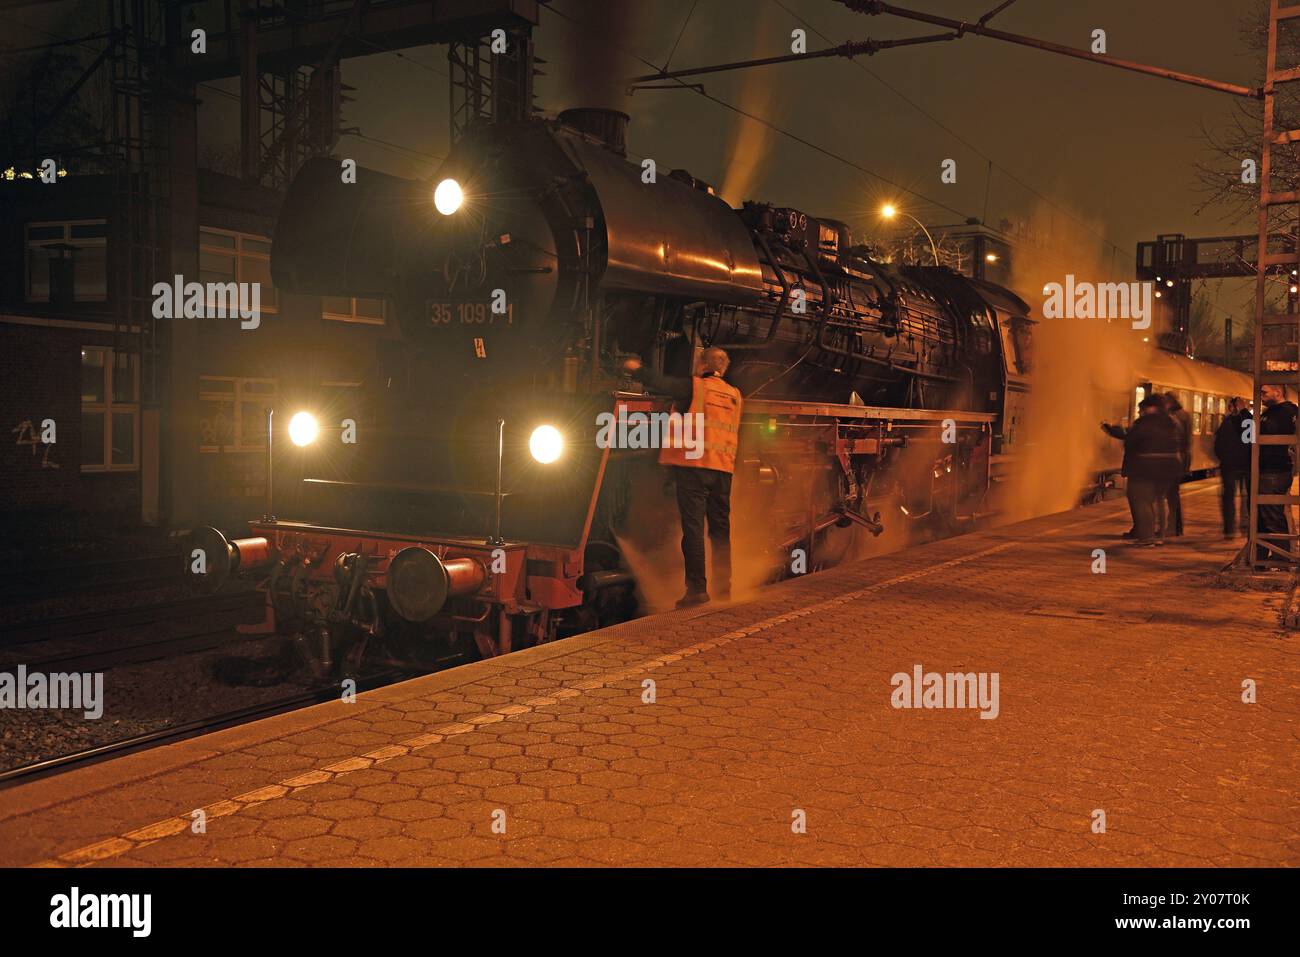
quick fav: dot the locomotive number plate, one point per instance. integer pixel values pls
(468, 313)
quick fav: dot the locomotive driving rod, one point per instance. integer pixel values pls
(836, 517)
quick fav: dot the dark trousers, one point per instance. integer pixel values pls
(1174, 495)
(1273, 518)
(1142, 495)
(705, 494)
(1234, 489)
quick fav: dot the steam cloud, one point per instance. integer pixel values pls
(1081, 368)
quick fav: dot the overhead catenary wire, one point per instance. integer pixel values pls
(804, 141)
(959, 138)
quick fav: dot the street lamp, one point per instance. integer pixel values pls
(303, 431)
(545, 444)
(889, 211)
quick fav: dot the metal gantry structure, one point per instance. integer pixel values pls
(1277, 335)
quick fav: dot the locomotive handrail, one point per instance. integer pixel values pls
(767, 407)
(403, 487)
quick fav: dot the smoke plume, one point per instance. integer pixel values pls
(748, 149)
(594, 70)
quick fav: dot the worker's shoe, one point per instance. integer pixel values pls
(692, 598)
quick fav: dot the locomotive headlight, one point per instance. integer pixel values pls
(303, 429)
(448, 196)
(546, 443)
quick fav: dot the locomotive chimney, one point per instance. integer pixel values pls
(608, 126)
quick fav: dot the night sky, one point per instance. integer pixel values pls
(1113, 148)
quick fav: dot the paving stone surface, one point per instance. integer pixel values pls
(771, 738)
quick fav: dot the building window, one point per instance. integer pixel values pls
(84, 243)
(232, 413)
(110, 410)
(225, 257)
(343, 309)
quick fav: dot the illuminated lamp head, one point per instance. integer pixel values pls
(303, 429)
(546, 444)
(448, 197)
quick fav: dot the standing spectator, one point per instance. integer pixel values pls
(1233, 453)
(1276, 466)
(1151, 462)
(1183, 420)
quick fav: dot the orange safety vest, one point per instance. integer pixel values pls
(720, 404)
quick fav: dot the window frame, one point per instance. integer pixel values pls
(66, 239)
(237, 400)
(354, 317)
(110, 407)
(239, 254)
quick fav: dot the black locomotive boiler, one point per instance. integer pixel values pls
(480, 507)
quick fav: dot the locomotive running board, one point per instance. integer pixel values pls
(762, 407)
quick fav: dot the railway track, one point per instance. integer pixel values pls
(84, 624)
(53, 581)
(189, 729)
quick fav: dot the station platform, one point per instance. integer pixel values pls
(772, 736)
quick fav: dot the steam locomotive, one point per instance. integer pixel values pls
(481, 514)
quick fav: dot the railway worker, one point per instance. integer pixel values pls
(1151, 461)
(1233, 453)
(1183, 420)
(1275, 463)
(703, 480)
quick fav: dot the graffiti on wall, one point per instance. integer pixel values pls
(27, 435)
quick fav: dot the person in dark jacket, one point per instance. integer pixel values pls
(1183, 420)
(1275, 462)
(1152, 461)
(1233, 452)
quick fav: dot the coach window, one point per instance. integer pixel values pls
(342, 309)
(110, 410)
(226, 256)
(232, 413)
(85, 242)
(1197, 408)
